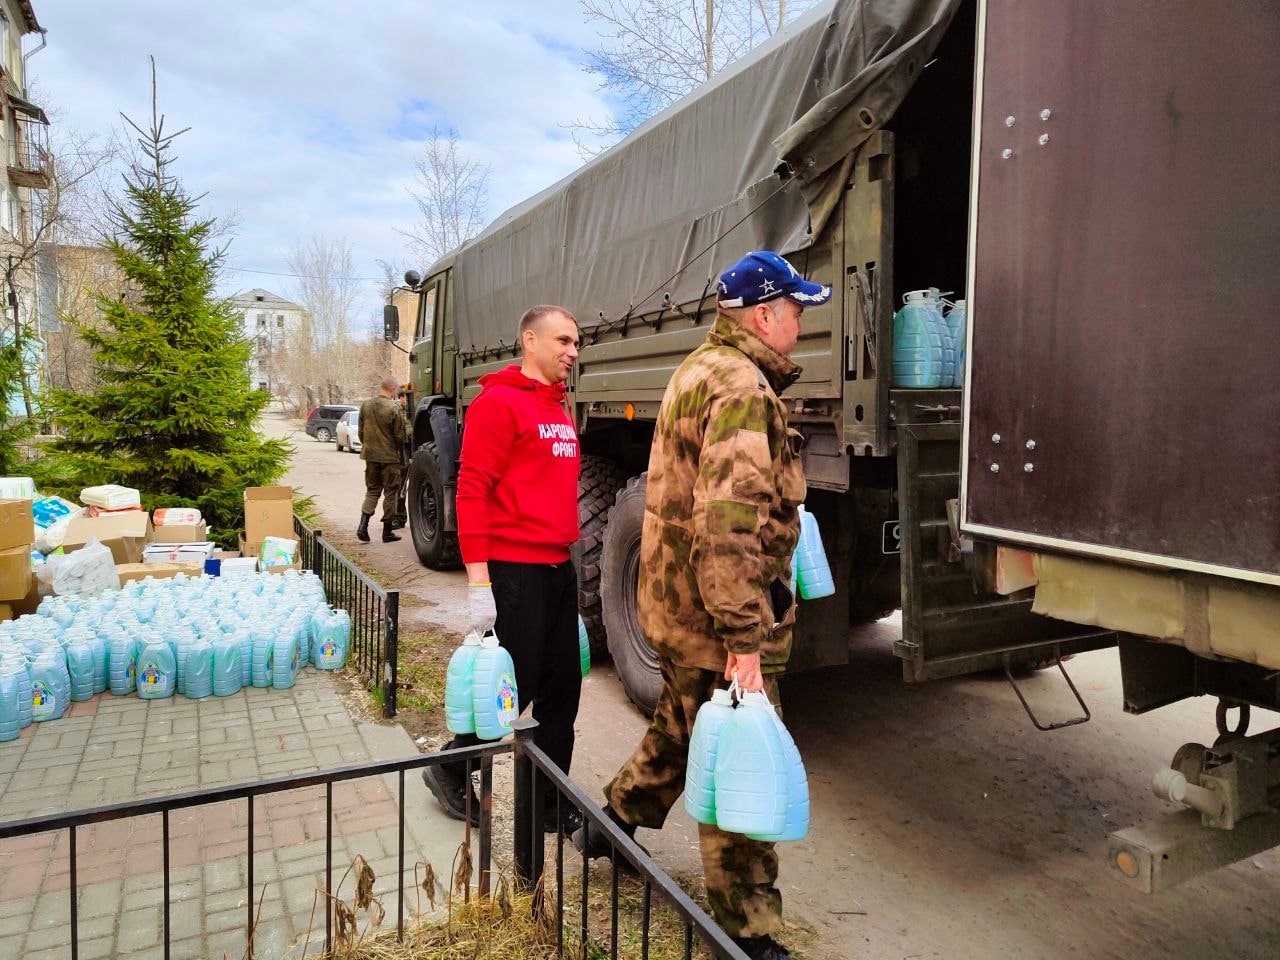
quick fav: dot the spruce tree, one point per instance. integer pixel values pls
(174, 414)
(14, 349)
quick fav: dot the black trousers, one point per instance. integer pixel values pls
(538, 625)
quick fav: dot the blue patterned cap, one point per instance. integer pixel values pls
(762, 276)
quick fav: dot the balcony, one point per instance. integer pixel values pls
(30, 163)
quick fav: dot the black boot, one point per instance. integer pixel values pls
(362, 531)
(594, 842)
(388, 534)
(762, 948)
(452, 787)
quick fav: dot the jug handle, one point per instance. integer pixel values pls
(735, 691)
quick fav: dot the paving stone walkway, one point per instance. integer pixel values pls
(111, 750)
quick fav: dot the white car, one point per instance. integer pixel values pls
(347, 432)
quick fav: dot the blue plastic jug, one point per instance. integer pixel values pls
(918, 343)
(494, 696)
(937, 303)
(459, 710)
(22, 672)
(797, 825)
(50, 685)
(751, 771)
(584, 647)
(700, 776)
(957, 322)
(80, 667)
(263, 667)
(157, 670)
(10, 707)
(199, 671)
(814, 573)
(284, 669)
(228, 673)
(244, 638)
(123, 670)
(101, 662)
(332, 641)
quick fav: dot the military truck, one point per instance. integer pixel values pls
(1096, 180)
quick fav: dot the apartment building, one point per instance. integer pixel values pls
(273, 325)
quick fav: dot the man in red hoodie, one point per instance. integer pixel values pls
(517, 517)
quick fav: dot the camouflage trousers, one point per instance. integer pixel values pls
(383, 480)
(739, 873)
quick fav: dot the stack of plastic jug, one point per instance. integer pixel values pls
(11, 693)
(263, 657)
(809, 566)
(199, 670)
(480, 694)
(584, 647)
(919, 338)
(745, 774)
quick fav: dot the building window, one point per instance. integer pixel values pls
(262, 385)
(279, 319)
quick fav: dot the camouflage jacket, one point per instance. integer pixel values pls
(720, 521)
(383, 430)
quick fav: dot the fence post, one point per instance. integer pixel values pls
(317, 555)
(390, 652)
(525, 835)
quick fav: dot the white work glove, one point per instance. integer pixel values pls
(481, 610)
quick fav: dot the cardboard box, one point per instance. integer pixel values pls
(15, 572)
(6, 611)
(177, 552)
(268, 512)
(181, 533)
(17, 525)
(160, 571)
(29, 603)
(238, 566)
(126, 534)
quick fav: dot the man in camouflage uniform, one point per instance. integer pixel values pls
(383, 434)
(720, 526)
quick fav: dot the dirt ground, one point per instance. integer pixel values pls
(943, 823)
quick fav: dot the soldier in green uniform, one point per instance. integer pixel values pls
(720, 526)
(383, 434)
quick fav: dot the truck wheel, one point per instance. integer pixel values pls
(598, 484)
(436, 549)
(633, 656)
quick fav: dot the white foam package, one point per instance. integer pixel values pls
(111, 496)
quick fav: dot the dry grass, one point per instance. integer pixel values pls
(510, 925)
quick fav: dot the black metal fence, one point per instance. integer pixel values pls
(374, 609)
(533, 771)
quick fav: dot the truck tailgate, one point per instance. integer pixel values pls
(1124, 382)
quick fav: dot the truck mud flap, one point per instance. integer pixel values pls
(949, 627)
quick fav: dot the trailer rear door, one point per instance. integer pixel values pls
(1123, 394)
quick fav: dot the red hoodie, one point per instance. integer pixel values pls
(518, 482)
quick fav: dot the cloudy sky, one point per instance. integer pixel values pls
(306, 115)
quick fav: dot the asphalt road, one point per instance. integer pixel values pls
(944, 824)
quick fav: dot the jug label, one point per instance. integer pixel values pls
(506, 700)
(328, 650)
(43, 703)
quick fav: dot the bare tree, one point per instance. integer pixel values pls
(320, 362)
(452, 192)
(653, 52)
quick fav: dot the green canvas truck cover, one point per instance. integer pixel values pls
(604, 238)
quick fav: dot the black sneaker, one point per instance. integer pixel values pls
(594, 842)
(451, 789)
(762, 948)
